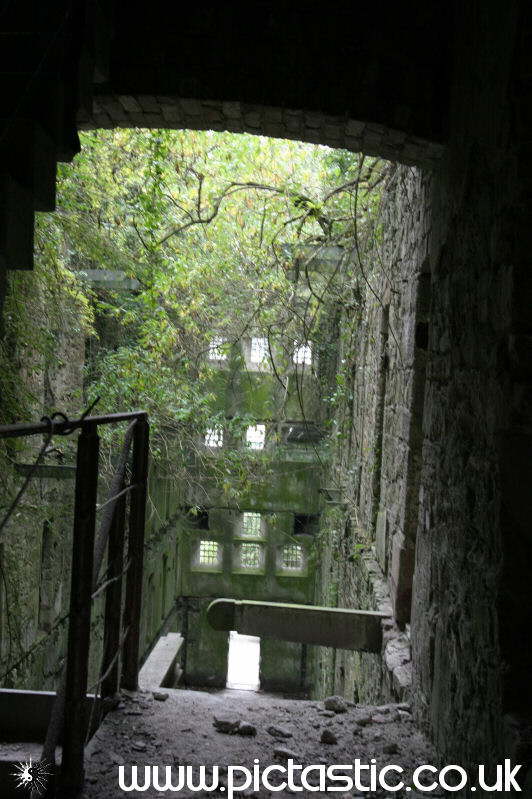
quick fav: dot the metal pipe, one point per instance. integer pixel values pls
(66, 425)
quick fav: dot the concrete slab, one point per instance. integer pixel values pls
(341, 628)
(161, 668)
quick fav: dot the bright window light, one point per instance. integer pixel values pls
(259, 350)
(243, 662)
(292, 557)
(255, 436)
(251, 524)
(209, 553)
(216, 349)
(214, 437)
(302, 353)
(250, 556)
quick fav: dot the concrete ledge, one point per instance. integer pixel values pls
(161, 668)
(24, 715)
(341, 628)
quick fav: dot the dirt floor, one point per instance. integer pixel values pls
(232, 728)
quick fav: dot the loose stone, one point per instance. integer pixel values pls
(328, 736)
(390, 749)
(404, 715)
(384, 718)
(279, 732)
(335, 703)
(226, 724)
(284, 754)
(246, 729)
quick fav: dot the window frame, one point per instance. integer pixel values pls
(259, 567)
(212, 566)
(212, 436)
(244, 534)
(215, 352)
(291, 571)
(259, 442)
(308, 353)
(263, 347)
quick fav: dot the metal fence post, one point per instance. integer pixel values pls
(137, 517)
(113, 601)
(72, 770)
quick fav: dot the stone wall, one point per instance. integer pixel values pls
(367, 540)
(340, 79)
(471, 630)
(122, 110)
(35, 545)
(440, 452)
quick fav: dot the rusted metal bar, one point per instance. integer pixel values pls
(137, 518)
(113, 600)
(340, 628)
(72, 769)
(60, 426)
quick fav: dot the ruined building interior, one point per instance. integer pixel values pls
(432, 570)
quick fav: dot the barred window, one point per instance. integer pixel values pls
(216, 349)
(250, 556)
(214, 437)
(292, 557)
(302, 353)
(251, 524)
(209, 553)
(256, 436)
(259, 349)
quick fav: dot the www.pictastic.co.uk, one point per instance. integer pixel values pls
(334, 778)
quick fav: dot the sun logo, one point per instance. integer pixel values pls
(31, 777)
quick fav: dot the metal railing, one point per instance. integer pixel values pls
(120, 534)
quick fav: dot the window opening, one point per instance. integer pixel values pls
(209, 553)
(292, 557)
(243, 662)
(305, 524)
(302, 353)
(259, 349)
(256, 436)
(216, 349)
(251, 524)
(214, 437)
(250, 556)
